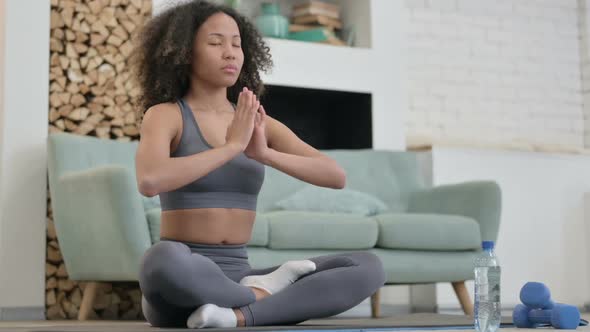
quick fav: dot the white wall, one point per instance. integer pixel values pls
(502, 71)
(2, 50)
(510, 73)
(584, 26)
(543, 233)
(23, 134)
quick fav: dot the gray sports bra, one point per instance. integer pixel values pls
(235, 184)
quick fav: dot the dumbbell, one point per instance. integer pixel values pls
(538, 309)
(560, 316)
(536, 296)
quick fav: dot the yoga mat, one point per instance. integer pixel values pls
(402, 322)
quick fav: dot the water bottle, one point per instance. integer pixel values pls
(487, 290)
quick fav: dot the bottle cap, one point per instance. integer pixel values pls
(487, 245)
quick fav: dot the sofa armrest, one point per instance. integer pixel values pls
(101, 224)
(480, 200)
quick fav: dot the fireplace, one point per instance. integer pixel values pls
(324, 119)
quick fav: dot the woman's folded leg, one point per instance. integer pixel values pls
(175, 281)
(340, 282)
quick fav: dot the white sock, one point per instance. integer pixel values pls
(280, 278)
(210, 315)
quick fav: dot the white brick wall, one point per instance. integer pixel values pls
(495, 72)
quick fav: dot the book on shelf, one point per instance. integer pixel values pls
(317, 4)
(318, 19)
(304, 11)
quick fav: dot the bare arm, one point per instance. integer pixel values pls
(156, 171)
(289, 154)
(318, 170)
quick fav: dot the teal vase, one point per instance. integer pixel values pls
(271, 23)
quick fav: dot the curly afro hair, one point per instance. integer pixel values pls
(161, 59)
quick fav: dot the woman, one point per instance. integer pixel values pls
(205, 142)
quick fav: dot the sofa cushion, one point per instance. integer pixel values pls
(427, 232)
(321, 199)
(320, 230)
(259, 232)
(153, 218)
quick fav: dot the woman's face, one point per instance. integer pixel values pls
(217, 52)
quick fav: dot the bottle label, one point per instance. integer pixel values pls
(487, 284)
(494, 283)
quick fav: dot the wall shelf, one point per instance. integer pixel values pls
(320, 66)
(353, 13)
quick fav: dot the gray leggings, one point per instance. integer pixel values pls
(177, 277)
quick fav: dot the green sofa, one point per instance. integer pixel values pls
(427, 235)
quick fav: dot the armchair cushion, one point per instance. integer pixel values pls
(427, 232)
(479, 200)
(320, 230)
(320, 199)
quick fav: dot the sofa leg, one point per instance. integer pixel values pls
(87, 300)
(463, 296)
(375, 309)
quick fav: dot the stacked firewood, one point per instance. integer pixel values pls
(91, 94)
(90, 86)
